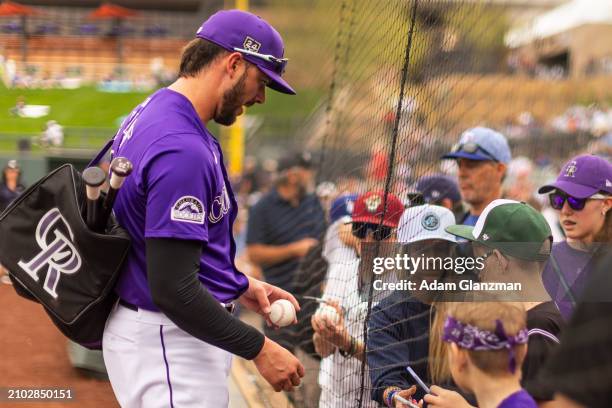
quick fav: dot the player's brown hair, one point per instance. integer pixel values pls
(483, 316)
(198, 54)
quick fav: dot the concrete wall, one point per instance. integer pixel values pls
(589, 43)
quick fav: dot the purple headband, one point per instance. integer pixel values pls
(472, 338)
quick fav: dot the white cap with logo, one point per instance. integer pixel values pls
(425, 222)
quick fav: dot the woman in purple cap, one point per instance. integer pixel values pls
(582, 194)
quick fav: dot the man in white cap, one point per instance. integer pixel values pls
(398, 329)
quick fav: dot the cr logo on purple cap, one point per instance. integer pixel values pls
(570, 169)
(250, 44)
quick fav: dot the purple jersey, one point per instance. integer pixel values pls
(574, 266)
(520, 399)
(178, 189)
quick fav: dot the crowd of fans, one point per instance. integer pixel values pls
(475, 348)
(400, 348)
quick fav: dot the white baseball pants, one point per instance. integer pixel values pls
(152, 363)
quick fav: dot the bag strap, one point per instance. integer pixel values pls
(101, 153)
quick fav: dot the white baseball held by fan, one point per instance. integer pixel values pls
(282, 313)
(329, 312)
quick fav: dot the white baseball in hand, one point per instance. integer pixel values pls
(329, 312)
(282, 313)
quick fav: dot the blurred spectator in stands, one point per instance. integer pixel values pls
(17, 110)
(326, 192)
(11, 186)
(10, 189)
(348, 184)
(283, 226)
(339, 340)
(53, 135)
(442, 190)
(482, 156)
(378, 166)
(518, 184)
(283, 229)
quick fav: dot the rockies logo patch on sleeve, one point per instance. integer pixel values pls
(188, 209)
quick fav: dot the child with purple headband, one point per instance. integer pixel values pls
(487, 342)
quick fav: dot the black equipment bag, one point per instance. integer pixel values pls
(54, 259)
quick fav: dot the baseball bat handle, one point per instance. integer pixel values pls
(93, 177)
(107, 207)
(92, 208)
(120, 169)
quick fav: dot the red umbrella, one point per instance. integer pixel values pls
(108, 11)
(12, 9)
(9, 8)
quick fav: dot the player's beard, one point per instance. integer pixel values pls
(232, 100)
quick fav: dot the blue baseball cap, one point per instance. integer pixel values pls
(254, 38)
(481, 143)
(342, 207)
(437, 187)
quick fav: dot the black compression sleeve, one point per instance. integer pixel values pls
(172, 267)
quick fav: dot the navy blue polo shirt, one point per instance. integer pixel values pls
(274, 221)
(398, 335)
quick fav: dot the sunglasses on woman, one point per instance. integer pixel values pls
(557, 199)
(379, 232)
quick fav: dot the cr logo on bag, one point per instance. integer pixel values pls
(59, 255)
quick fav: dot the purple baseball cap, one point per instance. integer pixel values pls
(251, 35)
(583, 176)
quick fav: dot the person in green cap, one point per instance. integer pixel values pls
(516, 241)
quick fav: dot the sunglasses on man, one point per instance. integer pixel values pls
(558, 199)
(472, 148)
(278, 64)
(379, 232)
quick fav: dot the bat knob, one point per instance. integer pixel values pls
(94, 176)
(121, 166)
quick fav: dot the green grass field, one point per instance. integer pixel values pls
(84, 107)
(97, 114)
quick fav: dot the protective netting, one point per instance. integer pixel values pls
(404, 80)
(385, 88)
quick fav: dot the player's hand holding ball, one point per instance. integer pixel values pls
(260, 295)
(282, 313)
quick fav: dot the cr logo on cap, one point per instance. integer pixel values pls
(570, 169)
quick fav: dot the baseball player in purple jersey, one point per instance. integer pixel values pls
(169, 340)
